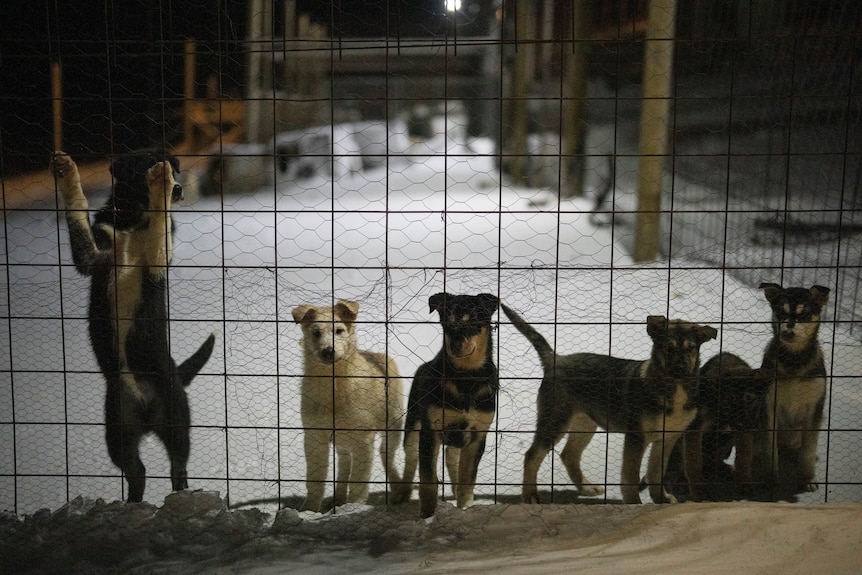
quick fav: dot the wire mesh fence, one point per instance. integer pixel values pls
(385, 152)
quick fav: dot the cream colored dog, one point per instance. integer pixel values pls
(348, 396)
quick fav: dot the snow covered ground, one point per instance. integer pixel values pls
(387, 239)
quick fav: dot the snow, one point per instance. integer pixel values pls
(387, 238)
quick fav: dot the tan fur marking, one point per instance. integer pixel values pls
(655, 426)
(476, 420)
(475, 359)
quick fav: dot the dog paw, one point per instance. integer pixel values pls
(160, 179)
(590, 490)
(66, 171)
(811, 487)
(531, 497)
(401, 493)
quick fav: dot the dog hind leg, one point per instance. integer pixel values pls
(362, 452)
(344, 469)
(316, 443)
(404, 489)
(389, 441)
(123, 448)
(175, 437)
(581, 431)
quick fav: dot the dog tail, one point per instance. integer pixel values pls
(546, 352)
(188, 369)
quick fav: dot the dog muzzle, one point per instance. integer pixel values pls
(177, 193)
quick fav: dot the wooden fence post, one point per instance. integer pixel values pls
(57, 103)
(654, 126)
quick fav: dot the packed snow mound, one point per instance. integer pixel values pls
(195, 531)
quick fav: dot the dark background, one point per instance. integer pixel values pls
(123, 64)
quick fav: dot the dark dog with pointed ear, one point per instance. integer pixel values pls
(126, 253)
(651, 402)
(452, 401)
(795, 362)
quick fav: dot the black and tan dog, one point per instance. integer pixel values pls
(126, 252)
(731, 409)
(452, 401)
(795, 362)
(649, 401)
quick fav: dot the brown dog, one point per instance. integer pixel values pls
(649, 401)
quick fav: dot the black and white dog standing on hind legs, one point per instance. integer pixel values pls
(452, 401)
(126, 253)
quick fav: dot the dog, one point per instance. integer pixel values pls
(348, 397)
(795, 402)
(126, 253)
(731, 409)
(452, 401)
(650, 401)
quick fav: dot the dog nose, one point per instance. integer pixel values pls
(327, 354)
(177, 193)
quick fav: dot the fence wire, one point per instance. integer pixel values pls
(385, 152)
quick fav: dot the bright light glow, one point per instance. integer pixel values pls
(453, 5)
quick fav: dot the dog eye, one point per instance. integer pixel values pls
(316, 334)
(339, 330)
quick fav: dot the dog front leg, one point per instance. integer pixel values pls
(316, 443)
(659, 456)
(429, 449)
(468, 467)
(808, 458)
(160, 180)
(84, 250)
(633, 453)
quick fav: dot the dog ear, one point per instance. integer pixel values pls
(437, 302)
(655, 325)
(347, 310)
(706, 333)
(819, 295)
(304, 313)
(772, 291)
(489, 303)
